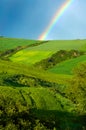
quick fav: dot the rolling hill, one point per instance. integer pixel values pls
(32, 98)
(55, 45)
(32, 55)
(11, 43)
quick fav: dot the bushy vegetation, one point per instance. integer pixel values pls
(58, 57)
(77, 88)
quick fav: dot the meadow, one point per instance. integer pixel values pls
(32, 55)
(55, 45)
(11, 43)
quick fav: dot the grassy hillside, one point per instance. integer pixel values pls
(10, 43)
(60, 45)
(32, 98)
(9, 69)
(66, 67)
(29, 96)
(35, 54)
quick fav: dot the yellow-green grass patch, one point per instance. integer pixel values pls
(30, 57)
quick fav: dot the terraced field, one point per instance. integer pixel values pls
(66, 67)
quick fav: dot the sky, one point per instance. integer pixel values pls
(28, 19)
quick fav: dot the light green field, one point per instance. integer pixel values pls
(10, 43)
(60, 45)
(83, 48)
(66, 67)
(30, 57)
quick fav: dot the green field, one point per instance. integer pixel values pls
(60, 45)
(11, 69)
(35, 54)
(30, 57)
(10, 43)
(66, 67)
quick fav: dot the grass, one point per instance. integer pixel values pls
(39, 97)
(10, 43)
(66, 67)
(83, 48)
(35, 54)
(30, 57)
(55, 45)
(8, 68)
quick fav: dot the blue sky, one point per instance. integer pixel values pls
(29, 18)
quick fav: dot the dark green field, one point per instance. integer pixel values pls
(42, 84)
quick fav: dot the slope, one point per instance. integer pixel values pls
(32, 55)
(10, 43)
(40, 98)
(20, 73)
(66, 67)
(55, 45)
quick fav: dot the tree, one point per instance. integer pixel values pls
(77, 88)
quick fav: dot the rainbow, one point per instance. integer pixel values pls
(55, 19)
